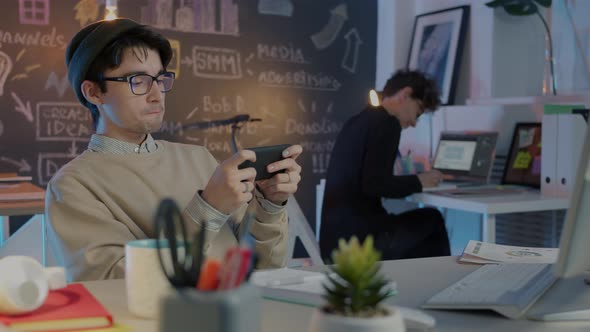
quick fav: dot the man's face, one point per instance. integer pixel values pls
(124, 115)
(411, 110)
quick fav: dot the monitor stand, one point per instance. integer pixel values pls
(567, 300)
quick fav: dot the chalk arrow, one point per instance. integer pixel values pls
(330, 31)
(22, 107)
(353, 43)
(23, 165)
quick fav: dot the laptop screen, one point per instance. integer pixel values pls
(455, 155)
(466, 156)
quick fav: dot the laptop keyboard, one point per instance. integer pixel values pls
(513, 284)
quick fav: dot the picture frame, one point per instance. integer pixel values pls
(523, 163)
(437, 44)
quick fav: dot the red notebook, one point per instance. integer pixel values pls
(68, 308)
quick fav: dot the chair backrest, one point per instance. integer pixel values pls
(299, 227)
(319, 201)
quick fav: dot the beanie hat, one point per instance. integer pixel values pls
(87, 44)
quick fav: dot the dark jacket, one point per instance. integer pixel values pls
(359, 175)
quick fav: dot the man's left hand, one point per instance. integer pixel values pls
(284, 183)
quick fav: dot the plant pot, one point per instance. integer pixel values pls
(326, 322)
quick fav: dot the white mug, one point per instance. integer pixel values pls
(23, 285)
(146, 282)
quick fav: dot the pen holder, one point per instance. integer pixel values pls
(216, 311)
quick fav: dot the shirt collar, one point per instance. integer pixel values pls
(104, 144)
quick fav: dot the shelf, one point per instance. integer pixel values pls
(529, 100)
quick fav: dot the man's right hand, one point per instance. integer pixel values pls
(430, 179)
(230, 187)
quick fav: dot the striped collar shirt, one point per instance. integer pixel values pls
(103, 144)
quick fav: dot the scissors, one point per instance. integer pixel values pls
(186, 257)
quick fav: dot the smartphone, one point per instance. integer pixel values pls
(265, 155)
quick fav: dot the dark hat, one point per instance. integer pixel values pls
(87, 44)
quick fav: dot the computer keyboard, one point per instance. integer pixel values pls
(509, 289)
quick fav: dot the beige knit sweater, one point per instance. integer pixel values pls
(98, 202)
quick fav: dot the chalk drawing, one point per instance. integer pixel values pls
(24, 108)
(54, 81)
(275, 7)
(200, 16)
(190, 115)
(49, 163)
(34, 12)
(86, 11)
(313, 107)
(20, 54)
(23, 165)
(330, 31)
(218, 63)
(299, 80)
(185, 18)
(353, 44)
(280, 53)
(5, 69)
(320, 163)
(57, 121)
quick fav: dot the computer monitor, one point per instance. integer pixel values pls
(569, 297)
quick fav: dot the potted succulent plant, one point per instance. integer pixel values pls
(355, 292)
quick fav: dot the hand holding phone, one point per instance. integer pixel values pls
(265, 155)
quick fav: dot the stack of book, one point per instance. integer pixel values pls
(70, 308)
(14, 187)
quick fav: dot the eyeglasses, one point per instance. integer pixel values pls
(141, 84)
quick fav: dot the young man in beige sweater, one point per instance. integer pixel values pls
(108, 195)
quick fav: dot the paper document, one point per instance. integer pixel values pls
(489, 253)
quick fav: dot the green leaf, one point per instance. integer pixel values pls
(521, 10)
(544, 3)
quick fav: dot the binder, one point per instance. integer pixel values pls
(564, 130)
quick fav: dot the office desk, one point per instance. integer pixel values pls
(416, 283)
(490, 206)
(18, 208)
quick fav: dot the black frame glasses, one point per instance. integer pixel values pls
(140, 82)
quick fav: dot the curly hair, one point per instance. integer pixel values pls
(423, 87)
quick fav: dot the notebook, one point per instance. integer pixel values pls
(70, 308)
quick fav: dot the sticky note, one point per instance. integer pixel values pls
(523, 160)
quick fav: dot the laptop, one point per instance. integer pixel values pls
(464, 158)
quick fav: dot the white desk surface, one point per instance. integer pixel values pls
(513, 203)
(417, 280)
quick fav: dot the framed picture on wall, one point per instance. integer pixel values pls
(437, 44)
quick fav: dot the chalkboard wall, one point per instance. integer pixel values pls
(300, 66)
